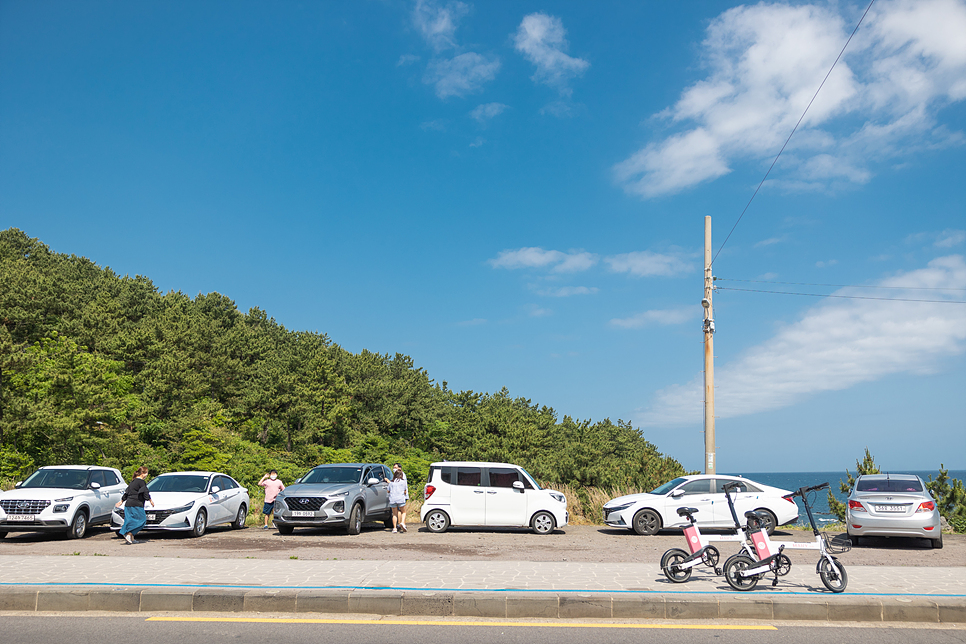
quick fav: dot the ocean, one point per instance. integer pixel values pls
(819, 501)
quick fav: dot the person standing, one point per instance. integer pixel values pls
(272, 486)
(397, 469)
(397, 501)
(133, 499)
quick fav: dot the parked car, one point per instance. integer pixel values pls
(464, 494)
(648, 512)
(892, 505)
(61, 498)
(192, 502)
(341, 494)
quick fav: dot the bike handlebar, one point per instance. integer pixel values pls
(804, 490)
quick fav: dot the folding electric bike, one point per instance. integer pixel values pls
(678, 564)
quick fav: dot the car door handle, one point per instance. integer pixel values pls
(488, 492)
(477, 491)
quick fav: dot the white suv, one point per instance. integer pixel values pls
(461, 493)
(61, 498)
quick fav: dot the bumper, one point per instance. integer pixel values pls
(176, 522)
(41, 525)
(926, 527)
(616, 519)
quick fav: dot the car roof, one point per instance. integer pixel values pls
(346, 465)
(197, 473)
(894, 477)
(472, 464)
(76, 467)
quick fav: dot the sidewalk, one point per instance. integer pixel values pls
(486, 589)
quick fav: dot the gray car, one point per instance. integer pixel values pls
(892, 505)
(341, 494)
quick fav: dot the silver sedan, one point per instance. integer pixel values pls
(892, 505)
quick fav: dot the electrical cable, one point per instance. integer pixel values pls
(793, 132)
(844, 297)
(906, 288)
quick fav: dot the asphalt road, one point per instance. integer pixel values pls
(191, 630)
(590, 544)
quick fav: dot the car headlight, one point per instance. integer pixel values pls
(64, 500)
(183, 508)
(617, 508)
(339, 495)
(558, 497)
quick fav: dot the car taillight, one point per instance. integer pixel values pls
(429, 491)
(855, 505)
(926, 506)
(789, 499)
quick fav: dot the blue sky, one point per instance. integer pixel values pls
(513, 193)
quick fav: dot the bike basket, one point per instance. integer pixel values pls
(836, 545)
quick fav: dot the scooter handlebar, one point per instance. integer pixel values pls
(811, 488)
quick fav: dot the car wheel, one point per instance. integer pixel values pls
(388, 522)
(646, 522)
(78, 527)
(768, 520)
(201, 523)
(239, 522)
(542, 523)
(437, 521)
(285, 529)
(355, 520)
(937, 544)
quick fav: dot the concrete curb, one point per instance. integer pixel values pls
(835, 608)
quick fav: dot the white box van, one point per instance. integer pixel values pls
(464, 493)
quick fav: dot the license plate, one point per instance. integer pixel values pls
(302, 513)
(152, 517)
(890, 508)
(21, 517)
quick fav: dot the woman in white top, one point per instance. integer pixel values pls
(398, 491)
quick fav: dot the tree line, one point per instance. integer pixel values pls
(104, 369)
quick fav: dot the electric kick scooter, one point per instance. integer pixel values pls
(743, 572)
(678, 564)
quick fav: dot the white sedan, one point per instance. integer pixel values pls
(192, 501)
(648, 512)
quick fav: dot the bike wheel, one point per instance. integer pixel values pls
(711, 557)
(836, 582)
(670, 562)
(783, 565)
(732, 573)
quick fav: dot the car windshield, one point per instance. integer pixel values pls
(70, 479)
(179, 483)
(329, 475)
(888, 485)
(667, 487)
(532, 480)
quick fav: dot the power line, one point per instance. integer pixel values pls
(905, 288)
(793, 132)
(844, 297)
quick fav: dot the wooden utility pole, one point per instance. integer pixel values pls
(709, 464)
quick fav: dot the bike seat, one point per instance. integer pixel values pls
(683, 512)
(750, 514)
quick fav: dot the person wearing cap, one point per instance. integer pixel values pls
(272, 486)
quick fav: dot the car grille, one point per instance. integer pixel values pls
(159, 516)
(15, 506)
(305, 503)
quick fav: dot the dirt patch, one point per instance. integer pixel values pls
(575, 543)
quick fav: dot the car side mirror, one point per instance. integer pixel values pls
(518, 485)
(95, 486)
(18, 484)
(298, 480)
(373, 481)
(215, 489)
(676, 494)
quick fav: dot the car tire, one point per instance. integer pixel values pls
(542, 523)
(646, 522)
(355, 520)
(201, 523)
(768, 520)
(437, 521)
(285, 529)
(240, 518)
(937, 544)
(388, 522)
(78, 527)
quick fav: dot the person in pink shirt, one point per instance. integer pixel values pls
(272, 487)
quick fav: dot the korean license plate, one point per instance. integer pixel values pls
(21, 517)
(890, 508)
(152, 517)
(302, 513)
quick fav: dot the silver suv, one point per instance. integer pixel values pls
(61, 498)
(341, 494)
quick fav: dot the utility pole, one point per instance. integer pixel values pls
(709, 464)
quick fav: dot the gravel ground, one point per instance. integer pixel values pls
(593, 544)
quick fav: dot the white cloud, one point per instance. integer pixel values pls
(461, 75)
(487, 111)
(662, 317)
(437, 22)
(473, 322)
(949, 238)
(535, 311)
(834, 346)
(765, 62)
(831, 262)
(438, 125)
(646, 263)
(535, 257)
(568, 291)
(770, 241)
(542, 40)
(406, 59)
